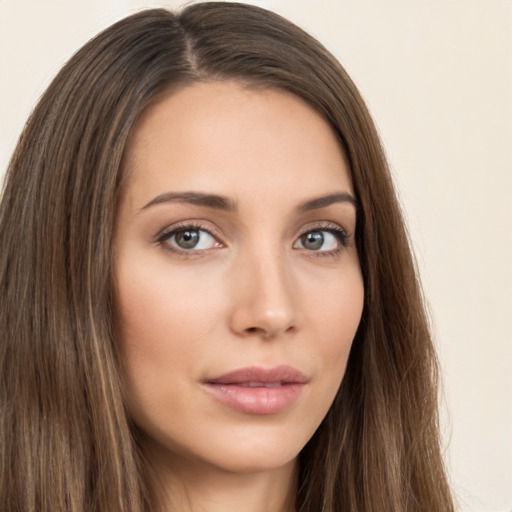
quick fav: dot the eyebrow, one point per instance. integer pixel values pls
(224, 203)
(196, 199)
(324, 201)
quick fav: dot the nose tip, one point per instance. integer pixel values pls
(270, 325)
(263, 302)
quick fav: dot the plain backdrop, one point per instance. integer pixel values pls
(437, 76)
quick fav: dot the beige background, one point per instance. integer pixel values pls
(437, 76)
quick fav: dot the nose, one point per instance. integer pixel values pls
(263, 297)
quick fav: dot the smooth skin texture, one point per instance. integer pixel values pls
(262, 276)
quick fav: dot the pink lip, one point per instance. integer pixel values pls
(256, 390)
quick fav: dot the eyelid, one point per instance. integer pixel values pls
(334, 228)
(169, 231)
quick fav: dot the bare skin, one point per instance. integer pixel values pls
(235, 254)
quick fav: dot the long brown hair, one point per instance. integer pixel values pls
(66, 443)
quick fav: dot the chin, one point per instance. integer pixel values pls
(243, 449)
(266, 454)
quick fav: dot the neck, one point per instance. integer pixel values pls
(192, 486)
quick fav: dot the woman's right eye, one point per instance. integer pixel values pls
(189, 239)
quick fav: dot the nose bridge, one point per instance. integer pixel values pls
(264, 294)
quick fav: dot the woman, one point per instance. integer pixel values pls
(208, 297)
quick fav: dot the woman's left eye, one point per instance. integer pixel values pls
(321, 240)
(189, 239)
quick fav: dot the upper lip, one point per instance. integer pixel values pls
(283, 374)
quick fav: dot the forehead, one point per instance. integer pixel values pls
(227, 139)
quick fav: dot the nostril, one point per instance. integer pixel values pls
(268, 333)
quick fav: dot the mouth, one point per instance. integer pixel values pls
(261, 384)
(258, 391)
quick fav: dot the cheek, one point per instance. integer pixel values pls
(342, 321)
(162, 322)
(156, 307)
(334, 314)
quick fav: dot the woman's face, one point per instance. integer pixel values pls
(239, 290)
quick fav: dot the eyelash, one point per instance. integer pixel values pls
(340, 234)
(190, 225)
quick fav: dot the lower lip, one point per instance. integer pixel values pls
(258, 400)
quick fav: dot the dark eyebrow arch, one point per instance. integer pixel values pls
(196, 199)
(324, 201)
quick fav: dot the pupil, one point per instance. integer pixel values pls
(313, 240)
(187, 239)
